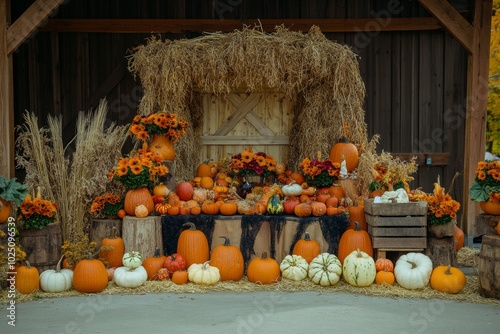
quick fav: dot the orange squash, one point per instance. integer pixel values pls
(263, 270)
(344, 150)
(228, 209)
(27, 279)
(303, 210)
(153, 264)
(318, 209)
(357, 214)
(90, 276)
(229, 260)
(115, 248)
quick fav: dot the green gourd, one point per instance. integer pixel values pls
(274, 205)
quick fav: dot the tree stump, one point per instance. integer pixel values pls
(441, 251)
(142, 234)
(101, 228)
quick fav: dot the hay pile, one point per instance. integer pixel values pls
(467, 256)
(321, 74)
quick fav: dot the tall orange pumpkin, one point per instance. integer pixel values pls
(353, 239)
(90, 275)
(307, 248)
(458, 237)
(27, 279)
(229, 259)
(136, 197)
(357, 214)
(116, 248)
(163, 146)
(193, 245)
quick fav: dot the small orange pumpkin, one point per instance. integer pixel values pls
(302, 210)
(27, 279)
(228, 209)
(307, 248)
(180, 277)
(263, 270)
(385, 277)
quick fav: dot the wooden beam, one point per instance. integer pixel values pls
(250, 116)
(476, 109)
(251, 101)
(29, 21)
(111, 81)
(212, 25)
(6, 98)
(451, 19)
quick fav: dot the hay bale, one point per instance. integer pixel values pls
(322, 74)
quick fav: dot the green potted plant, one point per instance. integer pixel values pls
(11, 191)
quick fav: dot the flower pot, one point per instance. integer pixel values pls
(441, 231)
(490, 208)
(163, 146)
(42, 247)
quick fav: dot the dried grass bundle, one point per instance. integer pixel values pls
(322, 74)
(72, 177)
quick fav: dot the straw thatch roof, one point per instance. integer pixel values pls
(321, 74)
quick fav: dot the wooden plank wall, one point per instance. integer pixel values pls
(415, 81)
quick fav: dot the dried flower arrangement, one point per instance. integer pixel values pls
(77, 250)
(391, 173)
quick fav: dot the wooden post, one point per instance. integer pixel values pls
(6, 98)
(142, 234)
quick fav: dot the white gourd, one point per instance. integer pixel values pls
(413, 270)
(129, 278)
(294, 267)
(325, 269)
(359, 269)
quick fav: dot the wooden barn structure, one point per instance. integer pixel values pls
(424, 64)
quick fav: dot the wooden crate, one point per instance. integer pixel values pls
(397, 226)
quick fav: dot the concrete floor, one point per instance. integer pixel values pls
(250, 312)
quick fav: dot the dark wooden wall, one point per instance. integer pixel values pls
(415, 81)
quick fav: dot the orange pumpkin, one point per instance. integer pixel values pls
(112, 249)
(353, 239)
(90, 276)
(121, 213)
(337, 191)
(357, 214)
(180, 277)
(307, 248)
(229, 260)
(332, 201)
(161, 190)
(298, 178)
(344, 150)
(193, 245)
(173, 199)
(207, 182)
(331, 210)
(263, 270)
(302, 210)
(138, 196)
(196, 210)
(203, 170)
(162, 208)
(228, 209)
(318, 209)
(383, 264)
(459, 238)
(289, 205)
(209, 207)
(27, 279)
(153, 264)
(385, 277)
(173, 210)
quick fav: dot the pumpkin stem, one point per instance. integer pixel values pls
(113, 232)
(28, 265)
(448, 271)
(307, 237)
(157, 252)
(58, 266)
(192, 226)
(226, 241)
(356, 226)
(205, 264)
(264, 256)
(413, 264)
(358, 253)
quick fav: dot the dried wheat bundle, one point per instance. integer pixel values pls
(70, 174)
(322, 75)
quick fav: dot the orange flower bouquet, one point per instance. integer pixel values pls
(108, 204)
(442, 208)
(320, 173)
(250, 163)
(173, 127)
(37, 213)
(140, 169)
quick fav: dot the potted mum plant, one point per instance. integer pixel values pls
(107, 205)
(137, 173)
(320, 173)
(486, 186)
(36, 212)
(163, 128)
(441, 211)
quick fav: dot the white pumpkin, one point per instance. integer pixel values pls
(57, 280)
(292, 189)
(129, 278)
(132, 260)
(325, 269)
(359, 269)
(203, 273)
(413, 270)
(294, 267)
